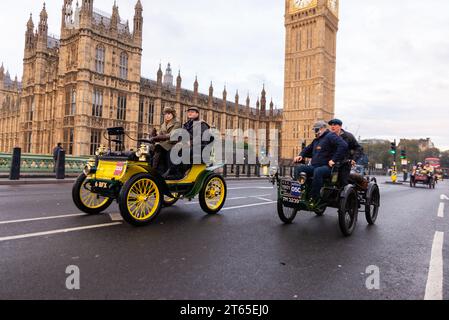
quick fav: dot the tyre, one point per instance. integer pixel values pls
(320, 212)
(140, 200)
(168, 202)
(213, 194)
(85, 200)
(348, 212)
(286, 214)
(372, 204)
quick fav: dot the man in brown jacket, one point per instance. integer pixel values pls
(164, 145)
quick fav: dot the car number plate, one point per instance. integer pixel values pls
(295, 190)
(102, 185)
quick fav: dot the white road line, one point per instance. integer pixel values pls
(434, 286)
(444, 197)
(441, 210)
(46, 233)
(264, 199)
(236, 198)
(43, 218)
(249, 205)
(116, 217)
(252, 187)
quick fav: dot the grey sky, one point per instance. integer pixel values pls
(392, 64)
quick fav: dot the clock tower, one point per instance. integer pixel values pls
(310, 60)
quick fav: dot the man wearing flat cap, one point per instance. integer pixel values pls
(192, 126)
(164, 145)
(354, 148)
(325, 151)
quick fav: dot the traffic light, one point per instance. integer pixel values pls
(393, 148)
(403, 154)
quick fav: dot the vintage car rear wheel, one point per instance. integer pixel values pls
(168, 202)
(286, 214)
(140, 200)
(87, 201)
(213, 194)
(372, 203)
(348, 212)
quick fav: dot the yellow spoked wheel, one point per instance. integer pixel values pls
(168, 202)
(87, 201)
(213, 194)
(140, 200)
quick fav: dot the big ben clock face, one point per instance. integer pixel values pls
(333, 6)
(302, 4)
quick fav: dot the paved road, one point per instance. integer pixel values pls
(244, 253)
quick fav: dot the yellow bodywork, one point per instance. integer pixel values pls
(123, 171)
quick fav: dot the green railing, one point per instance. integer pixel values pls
(41, 164)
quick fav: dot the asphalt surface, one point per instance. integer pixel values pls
(243, 253)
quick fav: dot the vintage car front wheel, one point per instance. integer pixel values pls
(286, 214)
(213, 194)
(87, 201)
(140, 200)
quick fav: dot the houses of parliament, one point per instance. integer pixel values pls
(89, 79)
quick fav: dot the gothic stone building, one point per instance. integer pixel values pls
(9, 111)
(90, 79)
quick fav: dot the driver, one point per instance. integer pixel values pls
(428, 169)
(164, 145)
(191, 126)
(326, 150)
(355, 149)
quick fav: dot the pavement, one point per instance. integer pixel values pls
(244, 253)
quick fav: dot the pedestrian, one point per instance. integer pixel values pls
(56, 151)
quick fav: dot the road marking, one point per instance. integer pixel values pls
(116, 217)
(252, 187)
(43, 218)
(249, 205)
(434, 286)
(46, 233)
(441, 210)
(264, 199)
(444, 197)
(236, 198)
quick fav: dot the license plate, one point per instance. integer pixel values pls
(295, 190)
(101, 185)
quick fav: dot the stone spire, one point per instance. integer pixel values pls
(43, 30)
(168, 77)
(159, 74)
(196, 85)
(115, 18)
(30, 24)
(258, 107)
(179, 81)
(87, 11)
(225, 94)
(2, 73)
(263, 101)
(138, 22)
(237, 98)
(271, 108)
(211, 90)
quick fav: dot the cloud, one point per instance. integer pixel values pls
(392, 59)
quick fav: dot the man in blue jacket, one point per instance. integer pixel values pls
(325, 151)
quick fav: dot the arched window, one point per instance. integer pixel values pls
(124, 65)
(99, 59)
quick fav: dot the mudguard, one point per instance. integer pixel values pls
(199, 183)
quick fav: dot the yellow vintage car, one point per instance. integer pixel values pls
(141, 192)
